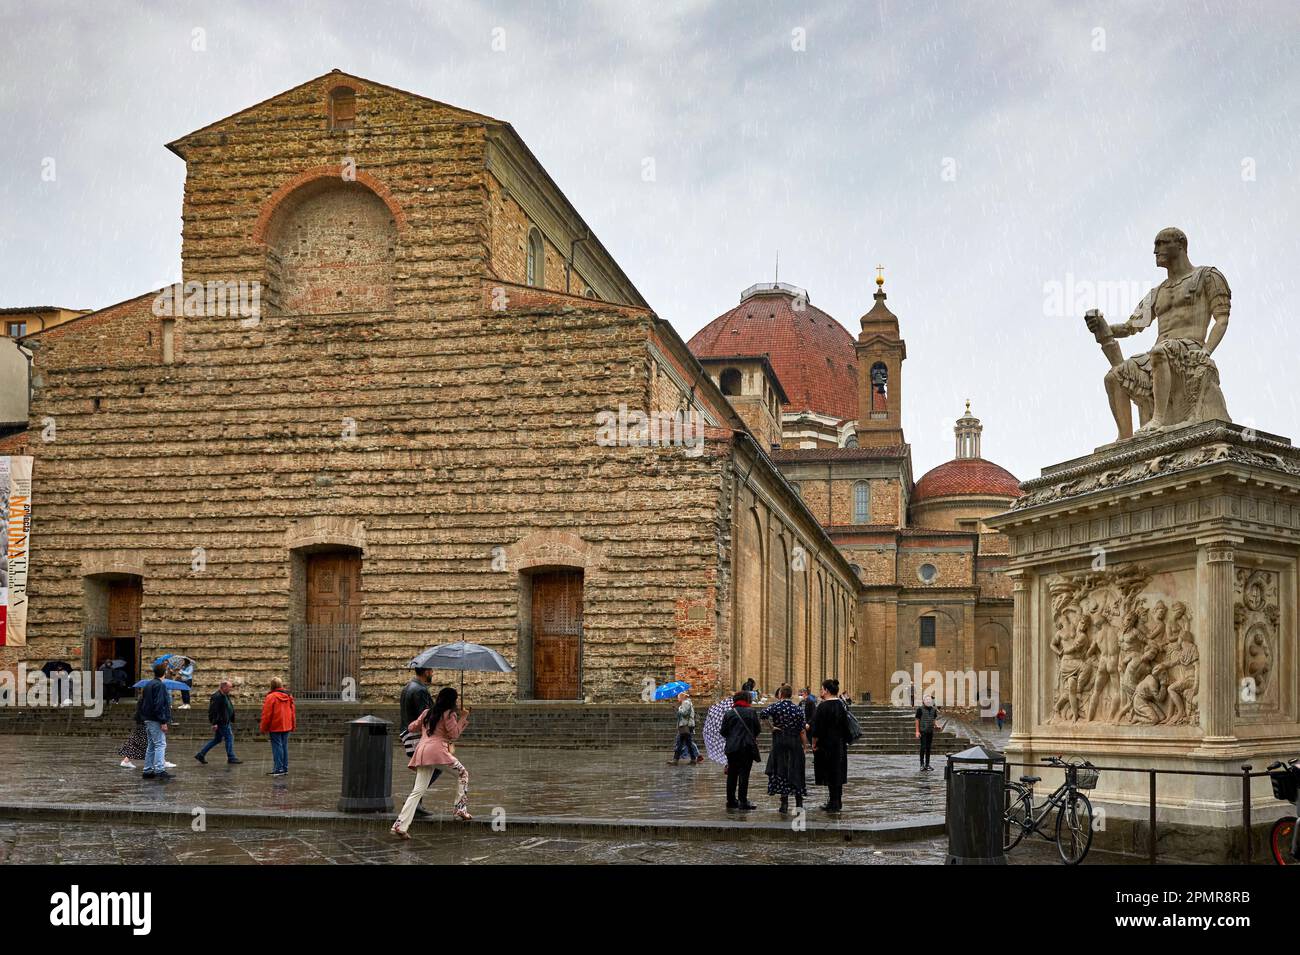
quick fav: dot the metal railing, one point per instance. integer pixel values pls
(1246, 774)
(324, 660)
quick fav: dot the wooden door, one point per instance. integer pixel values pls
(326, 649)
(333, 588)
(557, 635)
(123, 640)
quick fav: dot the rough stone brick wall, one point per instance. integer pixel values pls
(396, 395)
(508, 253)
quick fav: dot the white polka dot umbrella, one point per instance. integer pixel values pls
(714, 743)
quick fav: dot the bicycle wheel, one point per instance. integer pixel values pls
(1018, 818)
(1279, 842)
(1074, 828)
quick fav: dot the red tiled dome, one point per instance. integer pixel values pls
(813, 355)
(968, 476)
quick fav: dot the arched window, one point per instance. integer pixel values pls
(343, 107)
(729, 382)
(851, 441)
(536, 258)
(862, 503)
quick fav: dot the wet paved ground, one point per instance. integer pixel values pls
(45, 843)
(603, 784)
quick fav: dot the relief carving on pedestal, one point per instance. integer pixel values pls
(1123, 654)
(1256, 619)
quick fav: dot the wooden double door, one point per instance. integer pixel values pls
(557, 635)
(122, 640)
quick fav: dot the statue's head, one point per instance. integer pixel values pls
(1170, 244)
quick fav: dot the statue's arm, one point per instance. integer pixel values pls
(1220, 308)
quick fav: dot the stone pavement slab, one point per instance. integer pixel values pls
(611, 784)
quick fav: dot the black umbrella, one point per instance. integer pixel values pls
(461, 656)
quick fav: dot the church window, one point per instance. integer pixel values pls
(536, 258)
(928, 573)
(862, 503)
(851, 441)
(730, 381)
(343, 107)
(927, 631)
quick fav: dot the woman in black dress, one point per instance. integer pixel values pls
(830, 738)
(785, 761)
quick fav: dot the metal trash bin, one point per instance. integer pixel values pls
(975, 779)
(367, 767)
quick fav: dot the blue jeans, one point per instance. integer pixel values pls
(686, 744)
(280, 752)
(156, 751)
(225, 733)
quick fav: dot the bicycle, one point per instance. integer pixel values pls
(1074, 810)
(1282, 840)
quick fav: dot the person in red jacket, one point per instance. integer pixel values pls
(278, 720)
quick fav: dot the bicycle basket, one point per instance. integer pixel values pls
(1284, 785)
(1085, 776)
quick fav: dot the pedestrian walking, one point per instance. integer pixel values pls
(1001, 717)
(740, 728)
(279, 718)
(415, 700)
(186, 676)
(685, 744)
(439, 727)
(926, 715)
(830, 742)
(785, 760)
(809, 703)
(135, 747)
(221, 716)
(154, 711)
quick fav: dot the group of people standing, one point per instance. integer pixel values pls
(153, 717)
(823, 727)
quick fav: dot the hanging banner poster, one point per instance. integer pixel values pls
(15, 547)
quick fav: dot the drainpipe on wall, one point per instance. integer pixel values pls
(568, 268)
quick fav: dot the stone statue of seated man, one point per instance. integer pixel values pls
(1176, 383)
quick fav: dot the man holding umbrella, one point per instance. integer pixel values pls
(414, 701)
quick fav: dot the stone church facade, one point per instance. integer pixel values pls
(367, 422)
(830, 407)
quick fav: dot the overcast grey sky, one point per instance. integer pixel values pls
(980, 151)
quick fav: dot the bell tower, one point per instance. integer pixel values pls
(881, 351)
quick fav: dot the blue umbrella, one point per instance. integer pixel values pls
(669, 690)
(171, 685)
(461, 656)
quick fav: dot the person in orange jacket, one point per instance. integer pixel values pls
(278, 720)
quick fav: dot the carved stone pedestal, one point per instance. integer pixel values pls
(1155, 625)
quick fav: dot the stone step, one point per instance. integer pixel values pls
(564, 725)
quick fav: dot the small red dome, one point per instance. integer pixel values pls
(972, 477)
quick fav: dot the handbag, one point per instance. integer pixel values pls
(855, 728)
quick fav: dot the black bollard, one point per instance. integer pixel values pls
(367, 767)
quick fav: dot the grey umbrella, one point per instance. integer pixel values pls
(461, 656)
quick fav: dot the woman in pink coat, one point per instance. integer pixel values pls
(438, 727)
